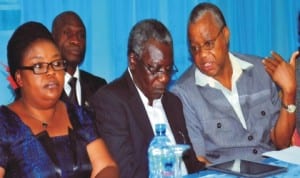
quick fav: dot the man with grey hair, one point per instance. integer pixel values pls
(128, 108)
(231, 102)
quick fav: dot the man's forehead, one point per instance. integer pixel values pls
(72, 24)
(206, 26)
(71, 21)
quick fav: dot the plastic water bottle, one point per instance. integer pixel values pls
(161, 155)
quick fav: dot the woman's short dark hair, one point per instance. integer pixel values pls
(145, 30)
(20, 41)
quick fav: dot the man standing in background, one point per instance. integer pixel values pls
(69, 33)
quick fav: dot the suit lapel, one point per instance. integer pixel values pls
(136, 105)
(170, 115)
(85, 91)
(175, 119)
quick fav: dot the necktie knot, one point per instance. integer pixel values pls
(73, 95)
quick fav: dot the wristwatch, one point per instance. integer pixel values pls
(290, 108)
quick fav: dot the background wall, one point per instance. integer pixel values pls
(257, 27)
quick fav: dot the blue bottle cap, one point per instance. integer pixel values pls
(160, 129)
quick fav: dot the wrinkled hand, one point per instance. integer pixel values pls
(281, 72)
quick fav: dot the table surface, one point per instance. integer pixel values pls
(293, 171)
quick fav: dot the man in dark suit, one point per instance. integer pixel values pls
(70, 35)
(128, 108)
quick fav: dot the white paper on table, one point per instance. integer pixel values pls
(290, 155)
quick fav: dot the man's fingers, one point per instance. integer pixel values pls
(270, 63)
(276, 56)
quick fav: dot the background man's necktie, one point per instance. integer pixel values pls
(73, 96)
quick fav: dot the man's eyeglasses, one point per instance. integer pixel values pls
(207, 45)
(155, 71)
(42, 67)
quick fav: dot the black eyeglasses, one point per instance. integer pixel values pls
(155, 71)
(42, 67)
(207, 45)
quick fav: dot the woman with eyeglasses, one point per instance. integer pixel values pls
(40, 135)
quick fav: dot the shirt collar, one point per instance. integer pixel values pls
(238, 65)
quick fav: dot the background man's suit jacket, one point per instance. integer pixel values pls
(122, 122)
